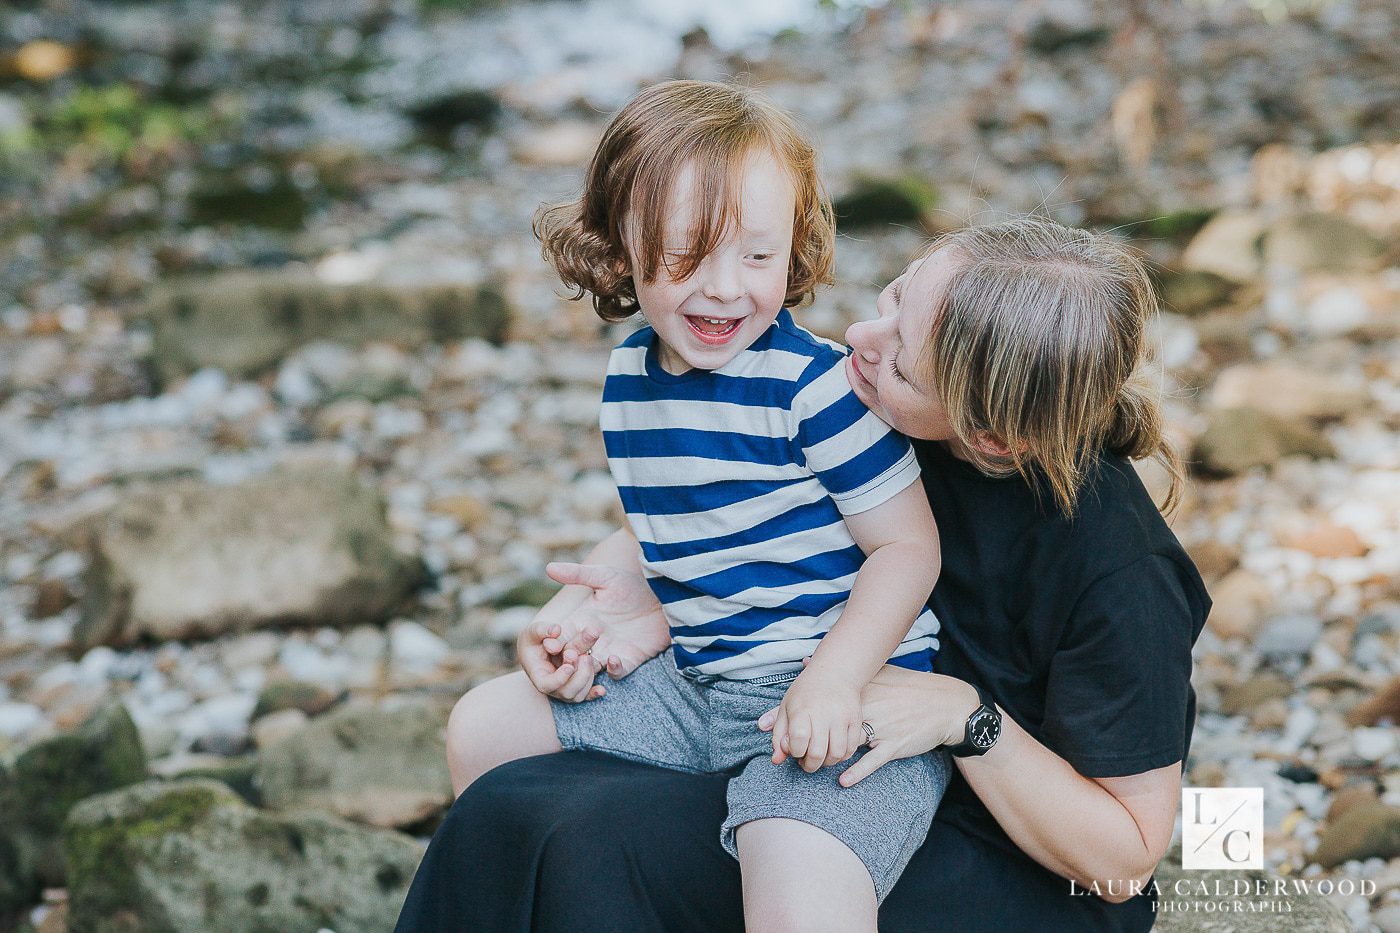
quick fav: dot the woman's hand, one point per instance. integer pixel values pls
(604, 618)
(909, 712)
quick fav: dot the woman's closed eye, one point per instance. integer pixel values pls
(894, 368)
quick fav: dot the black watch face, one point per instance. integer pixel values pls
(984, 729)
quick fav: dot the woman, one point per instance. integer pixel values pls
(1014, 355)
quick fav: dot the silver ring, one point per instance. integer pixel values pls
(869, 732)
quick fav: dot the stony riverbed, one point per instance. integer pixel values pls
(292, 415)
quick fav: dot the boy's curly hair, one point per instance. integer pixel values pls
(711, 127)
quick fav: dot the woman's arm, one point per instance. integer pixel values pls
(1104, 829)
(1088, 829)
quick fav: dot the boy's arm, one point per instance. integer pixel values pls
(818, 721)
(902, 561)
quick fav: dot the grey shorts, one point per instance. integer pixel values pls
(657, 716)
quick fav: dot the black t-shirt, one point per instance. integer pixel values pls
(1080, 629)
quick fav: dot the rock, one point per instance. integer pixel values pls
(1228, 246)
(877, 202)
(16, 719)
(1366, 830)
(1290, 392)
(1190, 904)
(190, 855)
(1328, 541)
(186, 559)
(1322, 243)
(237, 773)
(468, 511)
(1213, 559)
(567, 144)
(311, 699)
(1382, 706)
(41, 783)
(1288, 636)
(1194, 292)
(1387, 919)
(224, 200)
(244, 322)
(51, 599)
(1238, 439)
(414, 647)
(382, 766)
(533, 592)
(1237, 604)
(1373, 744)
(274, 727)
(1348, 797)
(1243, 697)
(1270, 714)
(439, 116)
(43, 60)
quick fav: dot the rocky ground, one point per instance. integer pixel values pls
(292, 416)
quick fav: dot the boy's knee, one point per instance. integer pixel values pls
(468, 736)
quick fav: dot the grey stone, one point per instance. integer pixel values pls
(1366, 830)
(1288, 636)
(244, 322)
(190, 855)
(1322, 243)
(1238, 439)
(382, 766)
(185, 559)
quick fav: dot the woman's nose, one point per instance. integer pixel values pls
(864, 339)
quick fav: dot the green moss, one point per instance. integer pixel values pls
(875, 202)
(103, 754)
(526, 593)
(101, 853)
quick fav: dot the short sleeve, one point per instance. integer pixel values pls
(861, 461)
(1118, 693)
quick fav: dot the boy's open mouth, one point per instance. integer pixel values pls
(713, 330)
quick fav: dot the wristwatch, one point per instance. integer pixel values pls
(983, 728)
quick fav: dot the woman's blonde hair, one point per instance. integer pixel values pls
(707, 125)
(1040, 343)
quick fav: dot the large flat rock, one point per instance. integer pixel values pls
(186, 559)
(382, 766)
(243, 322)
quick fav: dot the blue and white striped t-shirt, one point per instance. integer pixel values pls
(735, 481)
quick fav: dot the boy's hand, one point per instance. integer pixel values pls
(563, 673)
(818, 721)
(630, 624)
(614, 624)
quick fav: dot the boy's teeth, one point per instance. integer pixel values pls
(715, 325)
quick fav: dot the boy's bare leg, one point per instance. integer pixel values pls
(498, 721)
(801, 878)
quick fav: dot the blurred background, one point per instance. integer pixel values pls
(292, 415)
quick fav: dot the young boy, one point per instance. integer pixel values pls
(778, 519)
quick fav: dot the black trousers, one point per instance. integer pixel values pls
(581, 842)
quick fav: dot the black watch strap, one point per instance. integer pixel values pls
(982, 730)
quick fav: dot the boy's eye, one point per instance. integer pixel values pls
(760, 257)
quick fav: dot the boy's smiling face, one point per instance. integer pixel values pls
(705, 320)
